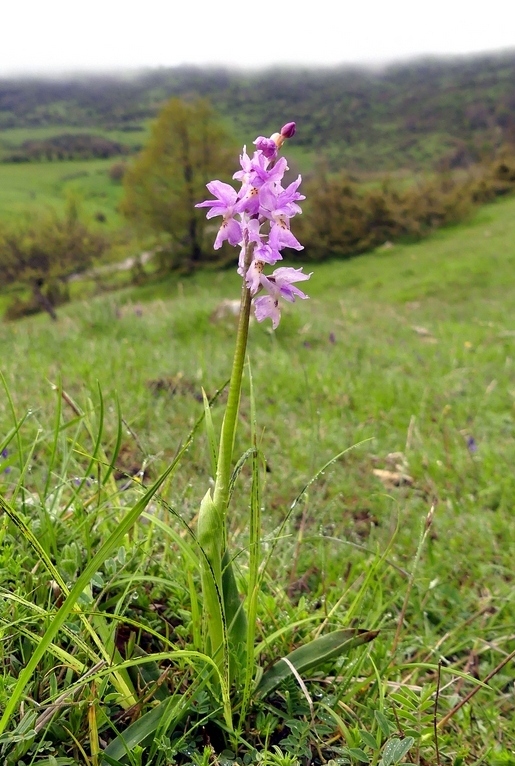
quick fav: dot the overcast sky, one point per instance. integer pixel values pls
(51, 36)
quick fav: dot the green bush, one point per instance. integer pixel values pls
(42, 254)
(343, 219)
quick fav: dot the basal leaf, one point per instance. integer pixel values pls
(312, 655)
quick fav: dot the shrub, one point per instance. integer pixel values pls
(43, 253)
(343, 219)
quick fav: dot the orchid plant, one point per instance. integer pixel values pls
(256, 219)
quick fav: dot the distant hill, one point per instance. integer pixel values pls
(419, 115)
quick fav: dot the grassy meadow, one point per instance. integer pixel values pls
(29, 188)
(403, 358)
(13, 138)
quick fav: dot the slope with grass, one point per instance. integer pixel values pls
(32, 188)
(407, 355)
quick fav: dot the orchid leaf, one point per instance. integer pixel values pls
(141, 731)
(210, 432)
(312, 655)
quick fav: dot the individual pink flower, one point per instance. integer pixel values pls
(226, 198)
(267, 146)
(253, 276)
(266, 307)
(278, 285)
(225, 205)
(281, 236)
(281, 202)
(230, 230)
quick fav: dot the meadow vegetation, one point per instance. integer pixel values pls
(376, 428)
(147, 204)
(26, 189)
(404, 360)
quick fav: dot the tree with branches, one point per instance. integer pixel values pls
(186, 147)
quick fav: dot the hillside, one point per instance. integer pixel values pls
(416, 115)
(401, 363)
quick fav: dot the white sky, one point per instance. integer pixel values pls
(49, 36)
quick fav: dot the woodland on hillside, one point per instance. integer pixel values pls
(421, 114)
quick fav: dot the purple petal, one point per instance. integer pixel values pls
(290, 292)
(229, 230)
(264, 252)
(253, 276)
(266, 307)
(281, 236)
(267, 146)
(226, 199)
(281, 283)
(223, 191)
(289, 274)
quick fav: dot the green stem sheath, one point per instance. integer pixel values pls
(230, 421)
(225, 617)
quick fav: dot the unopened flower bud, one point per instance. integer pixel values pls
(288, 130)
(266, 145)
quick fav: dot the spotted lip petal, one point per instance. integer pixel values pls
(266, 307)
(230, 230)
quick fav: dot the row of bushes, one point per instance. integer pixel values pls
(79, 146)
(343, 219)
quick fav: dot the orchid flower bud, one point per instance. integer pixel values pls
(266, 145)
(288, 130)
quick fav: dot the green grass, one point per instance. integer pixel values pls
(407, 352)
(27, 188)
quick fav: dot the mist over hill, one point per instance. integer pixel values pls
(424, 114)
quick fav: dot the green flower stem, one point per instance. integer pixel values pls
(224, 467)
(225, 617)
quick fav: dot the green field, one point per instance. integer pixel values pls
(30, 188)
(405, 355)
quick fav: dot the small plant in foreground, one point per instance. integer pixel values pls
(261, 202)
(257, 220)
